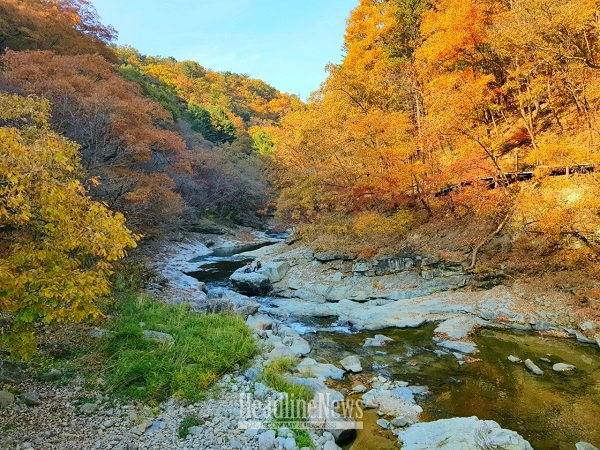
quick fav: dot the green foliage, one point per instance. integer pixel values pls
(212, 122)
(205, 347)
(57, 245)
(187, 423)
(158, 91)
(263, 142)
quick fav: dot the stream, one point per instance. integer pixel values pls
(553, 411)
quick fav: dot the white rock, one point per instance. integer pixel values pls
(533, 368)
(351, 364)
(460, 433)
(561, 367)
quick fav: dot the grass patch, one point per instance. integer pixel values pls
(205, 347)
(186, 424)
(292, 410)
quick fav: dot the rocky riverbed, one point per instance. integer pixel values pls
(330, 293)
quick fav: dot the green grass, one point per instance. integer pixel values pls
(206, 346)
(186, 424)
(275, 377)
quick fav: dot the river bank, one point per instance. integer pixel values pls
(405, 291)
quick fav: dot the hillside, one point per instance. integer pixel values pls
(448, 97)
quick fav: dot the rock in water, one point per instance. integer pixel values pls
(561, 367)
(533, 368)
(378, 341)
(460, 433)
(351, 364)
(253, 283)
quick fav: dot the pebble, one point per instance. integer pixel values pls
(383, 423)
(533, 368)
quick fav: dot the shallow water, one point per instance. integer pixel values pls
(553, 411)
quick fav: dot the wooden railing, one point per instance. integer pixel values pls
(515, 177)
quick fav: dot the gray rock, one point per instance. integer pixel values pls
(399, 422)
(252, 284)
(587, 326)
(546, 360)
(253, 373)
(6, 398)
(583, 339)
(460, 433)
(312, 368)
(514, 359)
(260, 322)
(377, 341)
(261, 391)
(533, 368)
(51, 375)
(31, 399)
(459, 346)
(159, 336)
(351, 364)
(266, 440)
(100, 333)
(275, 270)
(584, 446)
(10, 373)
(371, 403)
(290, 444)
(196, 431)
(392, 405)
(562, 367)
(300, 346)
(234, 443)
(330, 445)
(359, 388)
(383, 423)
(90, 408)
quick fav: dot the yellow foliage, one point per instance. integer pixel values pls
(56, 244)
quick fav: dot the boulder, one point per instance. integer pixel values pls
(562, 367)
(351, 364)
(252, 283)
(585, 446)
(6, 398)
(460, 433)
(312, 368)
(514, 359)
(392, 405)
(51, 375)
(275, 270)
(10, 372)
(31, 399)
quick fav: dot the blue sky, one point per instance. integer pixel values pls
(286, 43)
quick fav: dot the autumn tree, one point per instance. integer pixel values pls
(64, 26)
(56, 244)
(124, 137)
